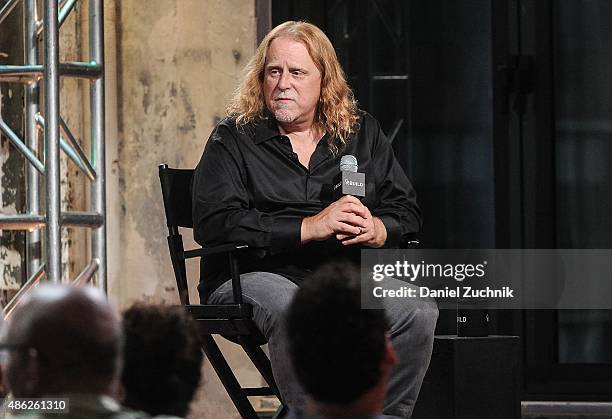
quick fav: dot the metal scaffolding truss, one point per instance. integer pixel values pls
(52, 124)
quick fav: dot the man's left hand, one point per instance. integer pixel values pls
(374, 234)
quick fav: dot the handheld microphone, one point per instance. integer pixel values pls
(348, 181)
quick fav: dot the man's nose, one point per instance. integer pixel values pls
(284, 81)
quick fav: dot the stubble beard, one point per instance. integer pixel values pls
(282, 113)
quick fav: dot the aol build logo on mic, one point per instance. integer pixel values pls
(349, 182)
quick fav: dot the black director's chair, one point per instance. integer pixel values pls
(232, 321)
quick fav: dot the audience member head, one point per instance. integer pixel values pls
(163, 359)
(63, 340)
(340, 352)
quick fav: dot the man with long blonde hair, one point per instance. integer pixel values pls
(265, 180)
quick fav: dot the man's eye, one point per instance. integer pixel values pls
(274, 72)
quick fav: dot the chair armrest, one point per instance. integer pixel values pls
(229, 249)
(222, 311)
(213, 250)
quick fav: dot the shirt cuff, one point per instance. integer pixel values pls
(286, 233)
(394, 231)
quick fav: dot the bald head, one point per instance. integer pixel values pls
(70, 342)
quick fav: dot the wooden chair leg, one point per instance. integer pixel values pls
(228, 379)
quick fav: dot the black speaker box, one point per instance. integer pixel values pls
(472, 378)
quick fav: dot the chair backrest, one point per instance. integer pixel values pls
(176, 193)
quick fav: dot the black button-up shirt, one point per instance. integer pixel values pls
(250, 187)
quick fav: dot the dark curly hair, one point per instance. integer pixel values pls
(162, 359)
(337, 348)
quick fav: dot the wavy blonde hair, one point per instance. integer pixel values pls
(337, 109)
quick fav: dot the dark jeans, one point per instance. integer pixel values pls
(412, 327)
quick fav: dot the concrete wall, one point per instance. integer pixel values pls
(176, 63)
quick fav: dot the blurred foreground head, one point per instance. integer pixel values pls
(163, 359)
(63, 340)
(340, 352)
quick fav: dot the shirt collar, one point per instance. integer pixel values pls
(265, 130)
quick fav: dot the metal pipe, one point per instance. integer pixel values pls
(98, 198)
(36, 221)
(20, 73)
(82, 219)
(24, 149)
(64, 12)
(87, 273)
(19, 69)
(91, 70)
(30, 283)
(31, 222)
(52, 106)
(40, 120)
(86, 166)
(72, 150)
(34, 72)
(33, 237)
(7, 9)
